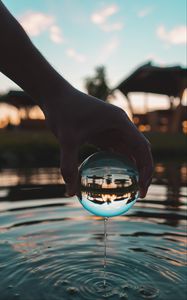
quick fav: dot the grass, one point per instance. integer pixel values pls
(168, 145)
(33, 148)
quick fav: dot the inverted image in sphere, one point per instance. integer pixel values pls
(108, 184)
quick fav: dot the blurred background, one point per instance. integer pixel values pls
(129, 53)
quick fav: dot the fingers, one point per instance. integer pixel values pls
(144, 162)
(117, 141)
(141, 151)
(69, 168)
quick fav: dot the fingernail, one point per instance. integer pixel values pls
(142, 194)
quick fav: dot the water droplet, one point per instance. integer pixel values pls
(125, 286)
(16, 295)
(108, 184)
(123, 296)
(10, 286)
(148, 292)
(72, 290)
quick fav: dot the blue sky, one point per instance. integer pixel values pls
(78, 35)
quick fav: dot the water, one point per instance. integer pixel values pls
(105, 251)
(108, 184)
(51, 248)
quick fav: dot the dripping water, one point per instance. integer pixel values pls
(105, 252)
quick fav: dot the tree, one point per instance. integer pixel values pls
(97, 85)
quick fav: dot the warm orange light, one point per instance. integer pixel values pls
(159, 168)
(184, 173)
(10, 113)
(107, 197)
(14, 120)
(141, 128)
(136, 120)
(144, 128)
(22, 113)
(184, 126)
(3, 123)
(36, 113)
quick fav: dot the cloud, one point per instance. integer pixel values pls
(108, 49)
(75, 55)
(55, 34)
(100, 18)
(175, 36)
(35, 23)
(112, 27)
(145, 12)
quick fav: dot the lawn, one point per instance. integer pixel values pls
(33, 148)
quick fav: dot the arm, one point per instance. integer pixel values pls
(74, 117)
(23, 63)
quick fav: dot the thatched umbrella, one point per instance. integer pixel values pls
(18, 99)
(170, 81)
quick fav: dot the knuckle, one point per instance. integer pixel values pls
(120, 113)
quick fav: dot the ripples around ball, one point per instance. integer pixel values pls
(108, 184)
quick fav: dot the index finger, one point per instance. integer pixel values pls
(144, 162)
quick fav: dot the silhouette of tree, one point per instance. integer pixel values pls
(97, 85)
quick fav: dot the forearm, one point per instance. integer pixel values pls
(23, 63)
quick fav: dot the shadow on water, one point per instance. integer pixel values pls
(51, 248)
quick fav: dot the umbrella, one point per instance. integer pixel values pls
(170, 81)
(19, 99)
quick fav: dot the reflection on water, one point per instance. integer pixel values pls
(12, 177)
(51, 248)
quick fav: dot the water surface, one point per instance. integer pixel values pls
(50, 248)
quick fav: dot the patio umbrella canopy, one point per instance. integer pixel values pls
(19, 99)
(170, 81)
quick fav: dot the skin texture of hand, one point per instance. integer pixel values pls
(74, 117)
(80, 118)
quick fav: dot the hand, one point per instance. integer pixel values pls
(80, 118)
(74, 117)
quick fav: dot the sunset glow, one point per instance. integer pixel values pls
(110, 38)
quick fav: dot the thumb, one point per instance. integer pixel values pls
(69, 168)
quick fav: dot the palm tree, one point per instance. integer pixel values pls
(97, 85)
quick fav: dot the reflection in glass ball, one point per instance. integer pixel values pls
(108, 184)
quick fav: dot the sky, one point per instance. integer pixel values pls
(78, 35)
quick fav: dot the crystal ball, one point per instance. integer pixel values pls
(108, 184)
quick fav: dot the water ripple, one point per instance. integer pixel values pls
(52, 249)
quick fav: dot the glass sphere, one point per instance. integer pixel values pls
(108, 184)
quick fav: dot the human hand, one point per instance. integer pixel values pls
(74, 117)
(79, 119)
